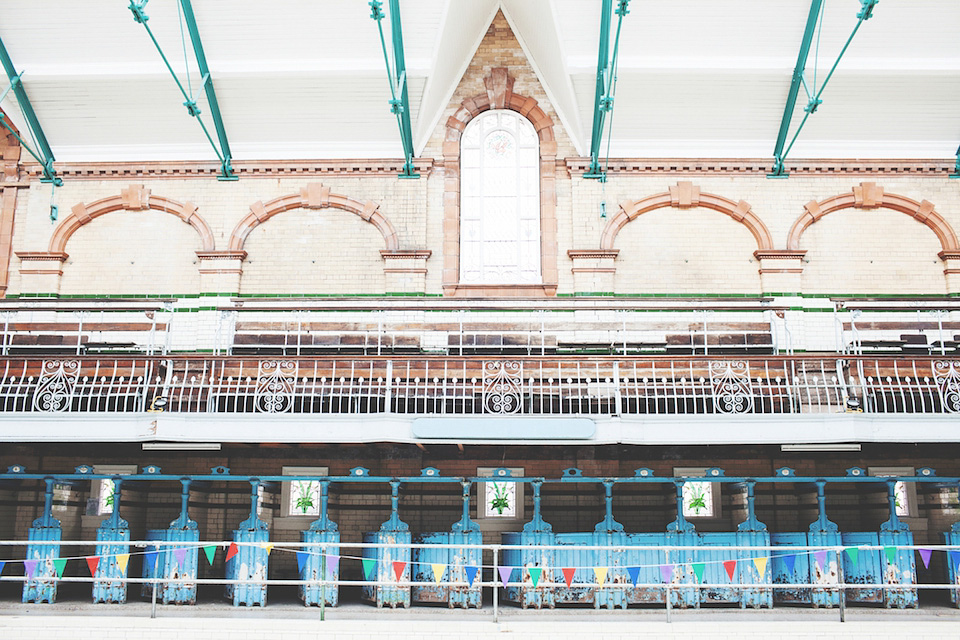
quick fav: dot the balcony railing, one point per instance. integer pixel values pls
(574, 386)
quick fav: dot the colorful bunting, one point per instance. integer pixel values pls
(210, 551)
(122, 560)
(149, 559)
(761, 564)
(698, 568)
(180, 553)
(268, 546)
(398, 568)
(301, 560)
(470, 571)
(92, 562)
(438, 570)
(634, 573)
(954, 558)
(601, 573)
(891, 553)
(2, 564)
(666, 572)
(790, 561)
(820, 557)
(30, 566)
(368, 565)
(232, 550)
(59, 564)
(854, 554)
(535, 575)
(568, 575)
(730, 566)
(505, 573)
(333, 563)
(925, 556)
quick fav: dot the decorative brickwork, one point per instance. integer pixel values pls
(9, 183)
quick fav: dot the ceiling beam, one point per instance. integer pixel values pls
(33, 124)
(399, 101)
(606, 82)
(223, 150)
(813, 99)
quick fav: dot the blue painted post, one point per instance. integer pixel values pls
(752, 532)
(823, 533)
(109, 583)
(43, 586)
(179, 563)
(681, 532)
(902, 570)
(393, 531)
(250, 562)
(535, 533)
(316, 567)
(609, 532)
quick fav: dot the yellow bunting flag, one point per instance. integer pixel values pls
(122, 560)
(601, 573)
(438, 570)
(268, 546)
(761, 564)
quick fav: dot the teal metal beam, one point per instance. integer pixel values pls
(606, 83)
(223, 150)
(49, 174)
(956, 167)
(399, 102)
(799, 79)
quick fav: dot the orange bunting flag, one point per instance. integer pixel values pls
(398, 568)
(568, 575)
(232, 551)
(122, 560)
(92, 562)
(730, 566)
(601, 573)
(761, 564)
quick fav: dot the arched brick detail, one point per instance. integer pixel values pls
(133, 198)
(685, 195)
(499, 95)
(870, 196)
(313, 196)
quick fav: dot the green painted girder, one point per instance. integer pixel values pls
(799, 80)
(956, 167)
(223, 150)
(399, 101)
(36, 131)
(606, 80)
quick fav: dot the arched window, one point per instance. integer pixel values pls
(500, 200)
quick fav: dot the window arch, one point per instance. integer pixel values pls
(500, 200)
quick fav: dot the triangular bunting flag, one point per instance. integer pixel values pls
(634, 573)
(301, 560)
(601, 573)
(30, 567)
(438, 570)
(2, 565)
(268, 546)
(698, 568)
(891, 553)
(471, 574)
(59, 564)
(333, 563)
(122, 560)
(210, 551)
(181, 555)
(854, 554)
(535, 575)
(398, 568)
(368, 565)
(505, 573)
(955, 558)
(232, 550)
(568, 575)
(730, 566)
(761, 564)
(790, 562)
(820, 557)
(149, 560)
(666, 572)
(92, 562)
(925, 556)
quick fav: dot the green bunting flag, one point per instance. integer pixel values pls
(891, 554)
(535, 575)
(698, 568)
(59, 564)
(854, 554)
(368, 565)
(210, 551)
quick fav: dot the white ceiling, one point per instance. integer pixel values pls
(306, 79)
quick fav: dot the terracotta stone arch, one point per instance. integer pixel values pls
(685, 195)
(313, 196)
(133, 198)
(870, 196)
(499, 95)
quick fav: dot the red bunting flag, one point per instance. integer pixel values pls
(232, 551)
(398, 568)
(92, 562)
(730, 566)
(568, 575)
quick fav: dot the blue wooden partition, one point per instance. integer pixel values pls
(393, 531)
(42, 587)
(320, 564)
(109, 583)
(251, 561)
(177, 564)
(952, 537)
(536, 533)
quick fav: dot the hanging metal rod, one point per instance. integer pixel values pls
(606, 82)
(223, 150)
(399, 102)
(49, 174)
(799, 79)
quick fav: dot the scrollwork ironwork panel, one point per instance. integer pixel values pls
(732, 392)
(947, 375)
(502, 386)
(275, 382)
(55, 386)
